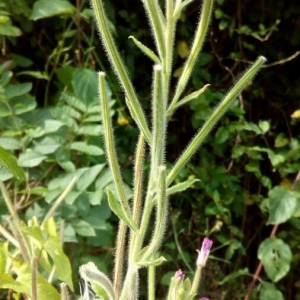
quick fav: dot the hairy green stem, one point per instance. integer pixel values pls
(114, 166)
(151, 283)
(196, 48)
(157, 22)
(195, 284)
(119, 68)
(213, 119)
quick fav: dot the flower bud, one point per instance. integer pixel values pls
(204, 252)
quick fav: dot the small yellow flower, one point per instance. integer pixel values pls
(122, 121)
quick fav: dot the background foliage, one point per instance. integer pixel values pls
(50, 121)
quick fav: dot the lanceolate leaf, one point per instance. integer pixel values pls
(119, 211)
(146, 50)
(180, 187)
(9, 162)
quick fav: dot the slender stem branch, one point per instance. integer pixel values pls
(16, 225)
(213, 119)
(196, 48)
(119, 67)
(151, 283)
(158, 25)
(195, 283)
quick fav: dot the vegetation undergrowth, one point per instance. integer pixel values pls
(67, 176)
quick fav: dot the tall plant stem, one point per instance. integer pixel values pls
(16, 225)
(114, 166)
(118, 66)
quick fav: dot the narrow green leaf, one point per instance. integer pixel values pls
(152, 262)
(9, 162)
(35, 74)
(187, 99)
(180, 187)
(216, 115)
(234, 275)
(45, 9)
(119, 211)
(148, 52)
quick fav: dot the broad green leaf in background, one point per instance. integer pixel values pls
(45, 9)
(10, 143)
(268, 291)
(89, 176)
(9, 30)
(83, 228)
(276, 257)
(281, 205)
(93, 130)
(9, 162)
(85, 85)
(85, 148)
(17, 89)
(46, 146)
(31, 159)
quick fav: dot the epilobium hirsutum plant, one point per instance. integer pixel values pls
(132, 251)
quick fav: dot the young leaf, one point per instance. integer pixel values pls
(119, 211)
(180, 187)
(148, 52)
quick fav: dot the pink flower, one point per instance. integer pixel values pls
(204, 252)
(204, 298)
(179, 274)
